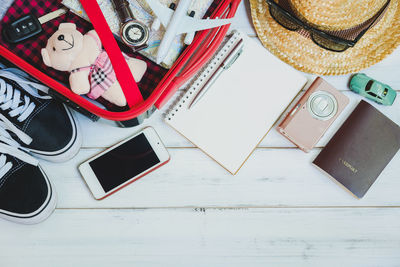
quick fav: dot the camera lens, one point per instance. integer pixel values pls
(322, 105)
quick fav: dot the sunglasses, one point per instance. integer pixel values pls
(324, 39)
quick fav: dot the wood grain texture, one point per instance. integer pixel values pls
(271, 177)
(278, 211)
(206, 237)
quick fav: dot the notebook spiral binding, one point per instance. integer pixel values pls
(184, 99)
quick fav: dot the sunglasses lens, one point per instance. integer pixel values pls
(327, 43)
(282, 19)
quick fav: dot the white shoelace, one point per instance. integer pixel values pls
(10, 99)
(11, 147)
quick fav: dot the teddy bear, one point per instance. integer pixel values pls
(90, 68)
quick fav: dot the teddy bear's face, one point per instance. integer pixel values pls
(63, 47)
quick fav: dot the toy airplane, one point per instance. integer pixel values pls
(179, 22)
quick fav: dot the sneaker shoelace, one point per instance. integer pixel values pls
(11, 147)
(10, 97)
(11, 102)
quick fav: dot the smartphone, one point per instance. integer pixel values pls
(124, 163)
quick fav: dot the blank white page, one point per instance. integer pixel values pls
(240, 108)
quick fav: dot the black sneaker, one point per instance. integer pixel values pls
(55, 134)
(26, 194)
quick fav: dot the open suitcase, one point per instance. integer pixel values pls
(156, 89)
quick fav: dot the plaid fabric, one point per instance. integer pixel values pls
(101, 75)
(30, 49)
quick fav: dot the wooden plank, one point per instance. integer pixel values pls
(104, 133)
(271, 177)
(206, 237)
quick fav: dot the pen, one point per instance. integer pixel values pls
(226, 64)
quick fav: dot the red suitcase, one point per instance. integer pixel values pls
(190, 61)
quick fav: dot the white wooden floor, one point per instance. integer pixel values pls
(277, 211)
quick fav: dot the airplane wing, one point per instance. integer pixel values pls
(163, 13)
(190, 24)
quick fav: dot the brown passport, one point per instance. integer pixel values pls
(360, 150)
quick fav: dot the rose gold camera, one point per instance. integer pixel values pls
(312, 115)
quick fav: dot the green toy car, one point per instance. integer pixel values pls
(379, 92)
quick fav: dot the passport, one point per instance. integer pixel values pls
(360, 150)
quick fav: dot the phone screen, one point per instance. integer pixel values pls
(124, 162)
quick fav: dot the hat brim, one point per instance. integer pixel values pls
(303, 54)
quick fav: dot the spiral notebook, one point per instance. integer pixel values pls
(242, 105)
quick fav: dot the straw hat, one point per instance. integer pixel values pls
(302, 53)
